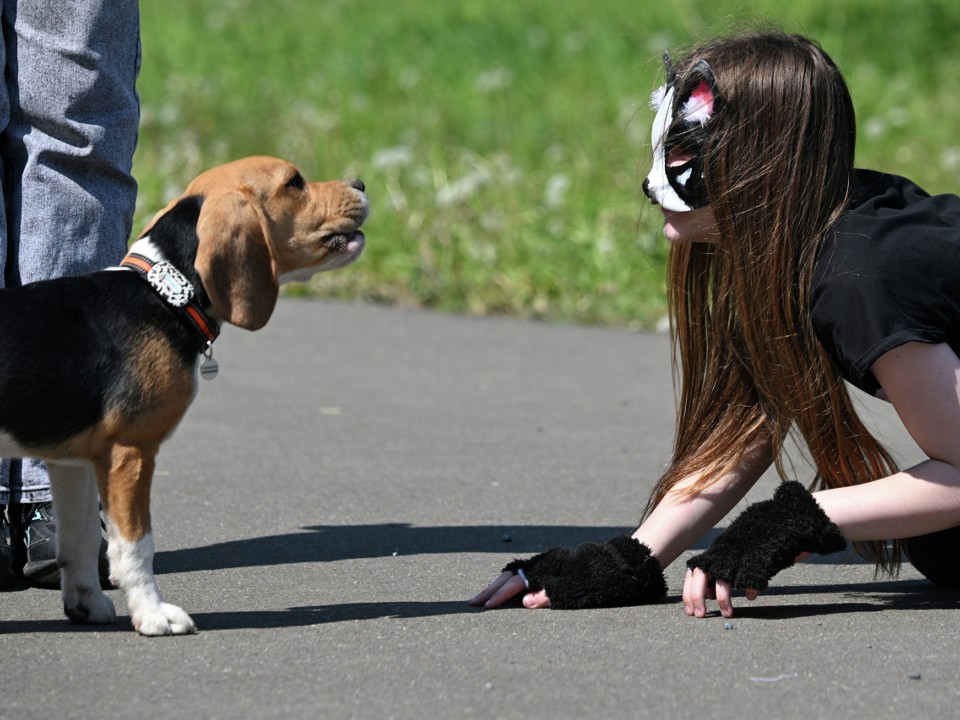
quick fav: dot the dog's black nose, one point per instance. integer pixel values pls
(358, 184)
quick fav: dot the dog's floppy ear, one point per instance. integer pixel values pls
(234, 261)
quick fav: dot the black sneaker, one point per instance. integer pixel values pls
(34, 540)
(38, 549)
(8, 578)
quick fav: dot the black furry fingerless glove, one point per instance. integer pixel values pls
(618, 572)
(767, 537)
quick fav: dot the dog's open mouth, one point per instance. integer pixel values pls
(350, 244)
(343, 249)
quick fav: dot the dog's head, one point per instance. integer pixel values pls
(262, 224)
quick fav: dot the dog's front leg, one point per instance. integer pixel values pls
(78, 543)
(130, 549)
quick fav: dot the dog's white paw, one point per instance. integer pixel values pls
(88, 605)
(166, 620)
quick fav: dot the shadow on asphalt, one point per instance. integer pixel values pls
(863, 597)
(324, 614)
(262, 619)
(329, 543)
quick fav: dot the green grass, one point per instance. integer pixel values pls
(503, 142)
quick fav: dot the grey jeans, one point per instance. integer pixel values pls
(69, 115)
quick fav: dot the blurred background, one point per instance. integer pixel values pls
(503, 142)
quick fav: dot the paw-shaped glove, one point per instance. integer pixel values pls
(618, 572)
(767, 537)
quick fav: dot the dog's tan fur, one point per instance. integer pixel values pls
(259, 221)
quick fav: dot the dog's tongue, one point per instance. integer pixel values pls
(356, 243)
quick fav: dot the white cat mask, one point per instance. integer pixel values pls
(680, 128)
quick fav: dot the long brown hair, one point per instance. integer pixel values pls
(778, 167)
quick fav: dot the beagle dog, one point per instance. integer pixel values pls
(99, 369)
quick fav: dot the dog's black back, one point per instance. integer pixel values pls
(70, 344)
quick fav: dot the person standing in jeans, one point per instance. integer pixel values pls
(69, 117)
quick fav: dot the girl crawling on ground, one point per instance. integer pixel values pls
(790, 271)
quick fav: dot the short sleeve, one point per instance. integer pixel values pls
(888, 274)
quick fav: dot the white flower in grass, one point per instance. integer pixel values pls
(492, 80)
(461, 190)
(555, 191)
(392, 157)
(950, 158)
(875, 128)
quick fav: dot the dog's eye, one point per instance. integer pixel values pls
(297, 182)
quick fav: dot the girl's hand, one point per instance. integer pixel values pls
(619, 572)
(763, 540)
(507, 586)
(698, 588)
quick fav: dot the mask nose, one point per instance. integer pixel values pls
(646, 191)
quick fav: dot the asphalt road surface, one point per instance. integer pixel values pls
(356, 473)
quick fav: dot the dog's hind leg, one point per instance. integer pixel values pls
(125, 486)
(78, 543)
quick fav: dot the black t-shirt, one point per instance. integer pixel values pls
(888, 274)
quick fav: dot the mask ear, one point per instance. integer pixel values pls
(234, 261)
(658, 95)
(698, 106)
(668, 69)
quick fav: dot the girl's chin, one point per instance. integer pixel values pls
(690, 226)
(671, 232)
(671, 235)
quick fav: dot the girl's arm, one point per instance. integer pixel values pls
(680, 520)
(675, 524)
(923, 383)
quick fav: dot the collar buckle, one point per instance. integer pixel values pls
(170, 284)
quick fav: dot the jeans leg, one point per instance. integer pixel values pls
(70, 71)
(68, 150)
(5, 483)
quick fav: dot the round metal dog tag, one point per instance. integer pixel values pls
(209, 368)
